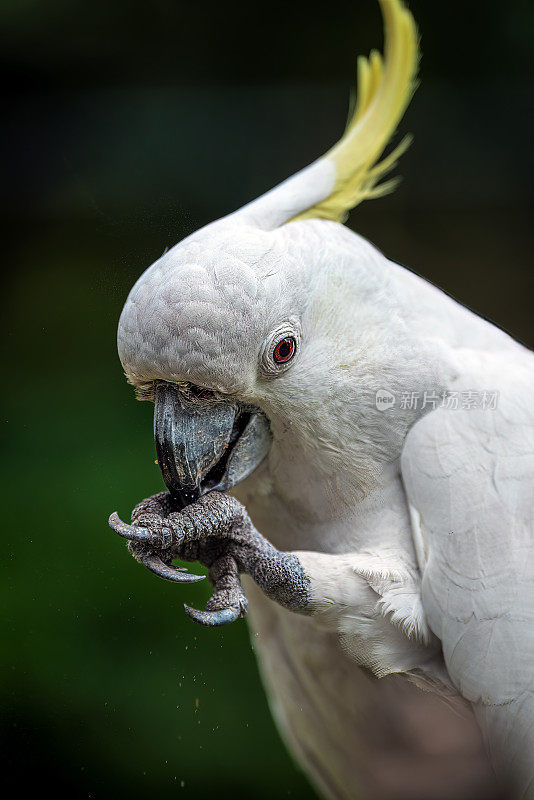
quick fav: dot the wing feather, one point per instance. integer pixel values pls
(469, 478)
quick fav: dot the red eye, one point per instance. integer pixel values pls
(284, 350)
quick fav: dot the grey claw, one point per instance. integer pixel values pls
(212, 618)
(176, 574)
(130, 532)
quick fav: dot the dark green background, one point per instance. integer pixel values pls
(127, 126)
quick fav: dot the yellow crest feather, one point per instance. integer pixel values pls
(385, 87)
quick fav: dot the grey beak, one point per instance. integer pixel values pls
(205, 444)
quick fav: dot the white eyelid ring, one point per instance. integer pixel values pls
(279, 349)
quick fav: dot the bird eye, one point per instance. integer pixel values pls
(284, 350)
(280, 348)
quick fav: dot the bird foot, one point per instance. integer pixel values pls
(216, 531)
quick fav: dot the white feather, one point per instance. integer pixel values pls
(470, 475)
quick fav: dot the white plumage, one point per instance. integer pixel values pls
(470, 477)
(414, 524)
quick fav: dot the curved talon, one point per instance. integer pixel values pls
(131, 532)
(212, 618)
(176, 574)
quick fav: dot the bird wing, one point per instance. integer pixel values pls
(469, 479)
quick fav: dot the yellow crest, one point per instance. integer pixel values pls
(385, 87)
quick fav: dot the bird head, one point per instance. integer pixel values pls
(257, 333)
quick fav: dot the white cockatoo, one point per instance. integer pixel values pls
(382, 437)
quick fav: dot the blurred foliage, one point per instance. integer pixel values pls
(165, 40)
(128, 126)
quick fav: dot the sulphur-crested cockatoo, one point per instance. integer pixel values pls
(384, 435)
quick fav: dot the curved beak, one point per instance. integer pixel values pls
(205, 444)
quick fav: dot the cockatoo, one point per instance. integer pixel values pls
(381, 439)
